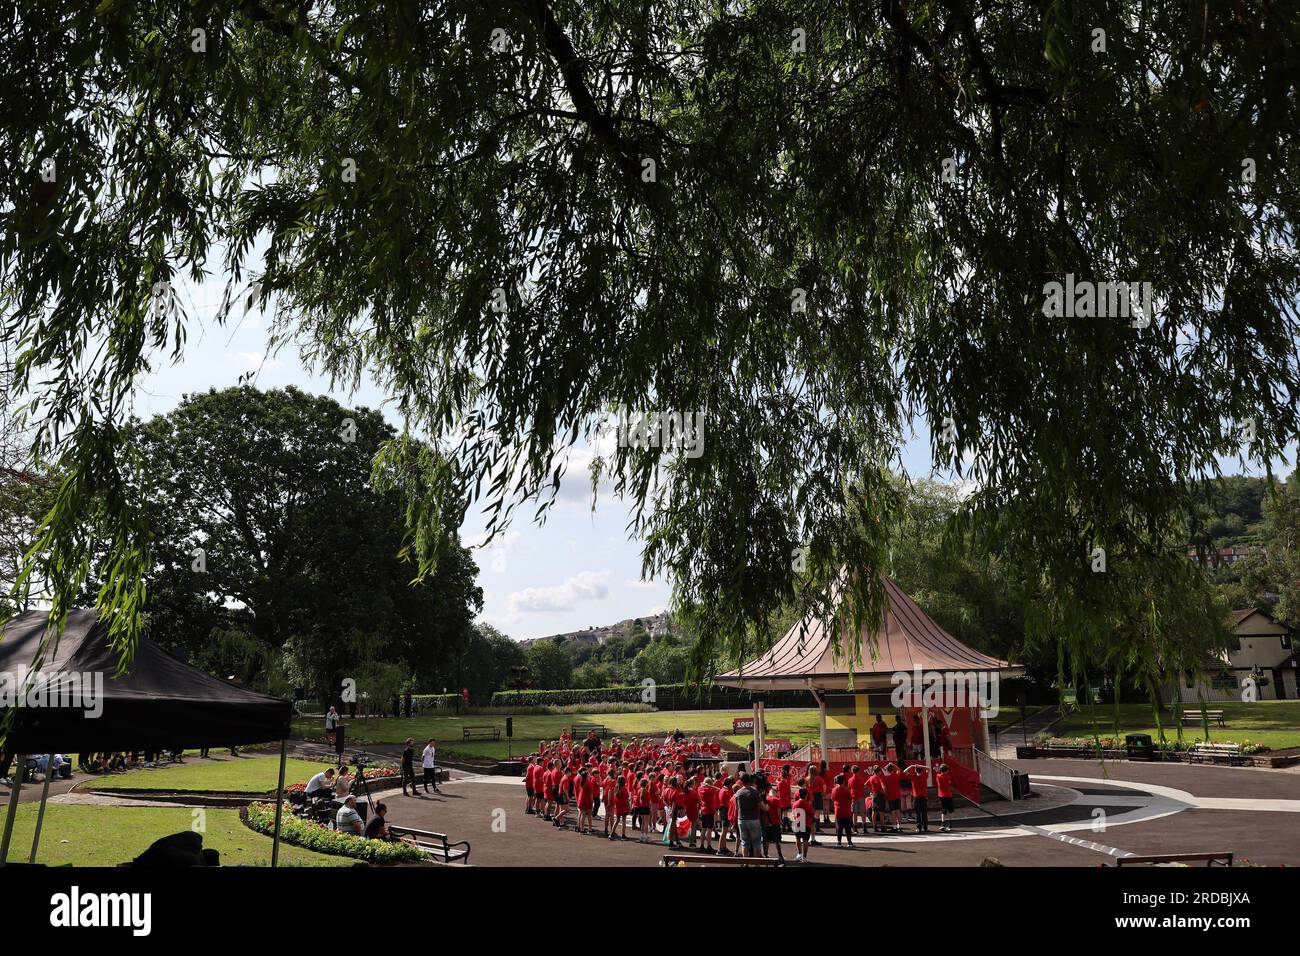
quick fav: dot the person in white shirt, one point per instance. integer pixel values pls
(430, 763)
(321, 784)
(348, 819)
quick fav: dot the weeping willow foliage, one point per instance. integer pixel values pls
(820, 225)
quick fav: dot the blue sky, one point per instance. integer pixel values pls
(578, 570)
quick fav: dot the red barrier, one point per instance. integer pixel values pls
(965, 780)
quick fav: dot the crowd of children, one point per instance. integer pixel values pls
(668, 794)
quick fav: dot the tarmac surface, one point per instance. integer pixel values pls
(1087, 813)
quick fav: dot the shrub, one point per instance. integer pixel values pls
(321, 839)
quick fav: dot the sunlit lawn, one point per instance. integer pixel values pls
(251, 774)
(1274, 723)
(785, 722)
(80, 835)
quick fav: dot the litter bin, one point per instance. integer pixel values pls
(1140, 747)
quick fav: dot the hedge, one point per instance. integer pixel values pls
(667, 697)
(321, 839)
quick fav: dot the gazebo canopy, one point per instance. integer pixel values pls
(907, 639)
(159, 703)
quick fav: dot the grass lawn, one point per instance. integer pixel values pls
(1274, 723)
(253, 774)
(786, 722)
(79, 835)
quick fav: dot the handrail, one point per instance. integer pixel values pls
(995, 775)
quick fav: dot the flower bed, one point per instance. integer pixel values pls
(372, 774)
(313, 836)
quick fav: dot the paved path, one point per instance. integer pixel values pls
(1091, 813)
(1016, 734)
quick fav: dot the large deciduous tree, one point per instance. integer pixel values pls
(818, 225)
(274, 555)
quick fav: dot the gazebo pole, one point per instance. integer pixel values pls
(40, 813)
(13, 808)
(925, 738)
(279, 803)
(821, 723)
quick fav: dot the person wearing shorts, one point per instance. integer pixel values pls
(856, 781)
(816, 787)
(641, 810)
(893, 778)
(708, 813)
(943, 784)
(749, 817)
(800, 814)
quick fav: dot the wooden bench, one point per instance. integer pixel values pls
(579, 733)
(1230, 753)
(1170, 859)
(480, 733)
(1201, 716)
(1071, 748)
(683, 859)
(433, 842)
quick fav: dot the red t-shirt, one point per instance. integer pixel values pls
(774, 813)
(843, 800)
(893, 788)
(857, 783)
(691, 800)
(803, 813)
(783, 793)
(643, 797)
(920, 779)
(622, 802)
(943, 782)
(585, 792)
(708, 799)
(876, 783)
(817, 784)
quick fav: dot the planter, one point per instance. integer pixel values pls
(1026, 753)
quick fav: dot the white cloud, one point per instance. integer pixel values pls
(255, 360)
(584, 586)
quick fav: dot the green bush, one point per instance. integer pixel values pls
(321, 839)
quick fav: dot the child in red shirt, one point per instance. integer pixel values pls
(783, 796)
(920, 776)
(617, 808)
(894, 794)
(943, 784)
(609, 787)
(842, 800)
(801, 815)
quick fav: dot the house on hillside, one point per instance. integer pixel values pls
(1265, 650)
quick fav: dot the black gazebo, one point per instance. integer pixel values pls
(65, 690)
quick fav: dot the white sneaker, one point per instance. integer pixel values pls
(798, 857)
